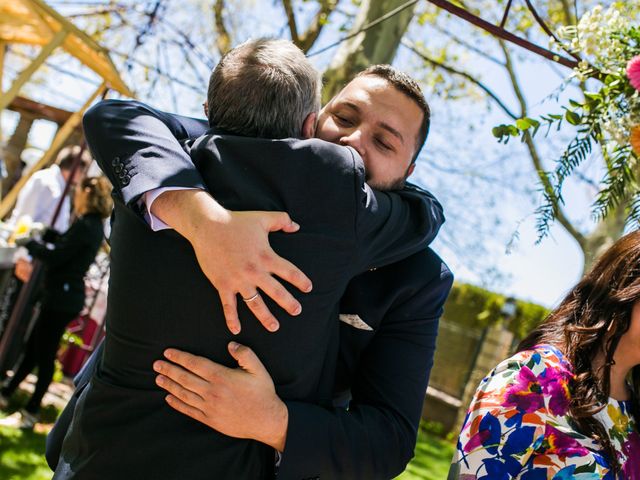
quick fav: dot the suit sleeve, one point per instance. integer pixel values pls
(393, 225)
(138, 148)
(375, 438)
(64, 249)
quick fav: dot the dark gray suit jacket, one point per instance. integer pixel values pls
(122, 427)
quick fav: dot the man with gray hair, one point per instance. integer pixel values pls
(274, 88)
(158, 297)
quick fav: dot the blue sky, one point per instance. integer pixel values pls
(485, 216)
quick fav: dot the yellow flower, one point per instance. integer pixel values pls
(620, 420)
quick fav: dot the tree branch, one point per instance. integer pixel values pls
(319, 21)
(291, 20)
(467, 45)
(465, 75)
(535, 156)
(223, 40)
(548, 31)
(503, 34)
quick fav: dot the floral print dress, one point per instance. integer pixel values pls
(518, 427)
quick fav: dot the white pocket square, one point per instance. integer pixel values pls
(355, 321)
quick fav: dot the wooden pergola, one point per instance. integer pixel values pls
(32, 22)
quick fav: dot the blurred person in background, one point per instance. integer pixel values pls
(63, 293)
(38, 199)
(567, 404)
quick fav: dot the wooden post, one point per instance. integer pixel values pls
(63, 133)
(25, 75)
(3, 49)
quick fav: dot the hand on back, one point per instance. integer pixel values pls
(233, 251)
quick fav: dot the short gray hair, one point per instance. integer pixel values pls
(263, 88)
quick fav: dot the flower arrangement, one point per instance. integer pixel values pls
(607, 48)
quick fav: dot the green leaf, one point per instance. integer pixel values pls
(526, 123)
(572, 117)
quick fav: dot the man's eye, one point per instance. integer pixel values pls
(342, 120)
(382, 144)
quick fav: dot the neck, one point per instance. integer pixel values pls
(617, 375)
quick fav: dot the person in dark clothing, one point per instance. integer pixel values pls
(63, 294)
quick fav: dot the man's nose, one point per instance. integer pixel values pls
(354, 140)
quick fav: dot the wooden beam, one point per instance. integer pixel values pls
(58, 141)
(39, 111)
(6, 97)
(3, 49)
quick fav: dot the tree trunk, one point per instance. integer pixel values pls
(13, 150)
(604, 235)
(375, 45)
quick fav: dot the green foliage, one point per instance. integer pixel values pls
(432, 457)
(22, 455)
(604, 119)
(474, 307)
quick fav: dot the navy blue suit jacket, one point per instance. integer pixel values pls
(384, 364)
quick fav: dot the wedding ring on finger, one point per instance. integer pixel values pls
(251, 298)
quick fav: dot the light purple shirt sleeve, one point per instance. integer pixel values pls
(147, 200)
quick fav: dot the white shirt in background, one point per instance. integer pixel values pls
(39, 198)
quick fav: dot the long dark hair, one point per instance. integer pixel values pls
(591, 319)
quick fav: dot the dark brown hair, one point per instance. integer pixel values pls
(407, 85)
(99, 195)
(591, 320)
(67, 157)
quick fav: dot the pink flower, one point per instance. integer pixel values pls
(633, 72)
(630, 448)
(525, 393)
(528, 392)
(561, 444)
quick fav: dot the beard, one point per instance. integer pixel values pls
(384, 185)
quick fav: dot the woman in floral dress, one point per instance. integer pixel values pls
(566, 405)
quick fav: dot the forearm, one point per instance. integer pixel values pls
(274, 427)
(189, 212)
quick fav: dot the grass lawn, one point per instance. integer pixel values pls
(22, 455)
(22, 451)
(432, 459)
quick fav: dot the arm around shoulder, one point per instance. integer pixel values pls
(139, 149)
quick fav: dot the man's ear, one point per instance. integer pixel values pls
(410, 170)
(309, 125)
(206, 109)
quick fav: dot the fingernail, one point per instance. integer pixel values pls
(233, 346)
(295, 225)
(160, 380)
(235, 330)
(168, 354)
(298, 310)
(274, 326)
(309, 288)
(157, 366)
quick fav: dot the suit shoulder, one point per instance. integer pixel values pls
(328, 154)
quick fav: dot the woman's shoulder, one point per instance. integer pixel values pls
(539, 359)
(535, 380)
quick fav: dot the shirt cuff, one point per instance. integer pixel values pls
(147, 200)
